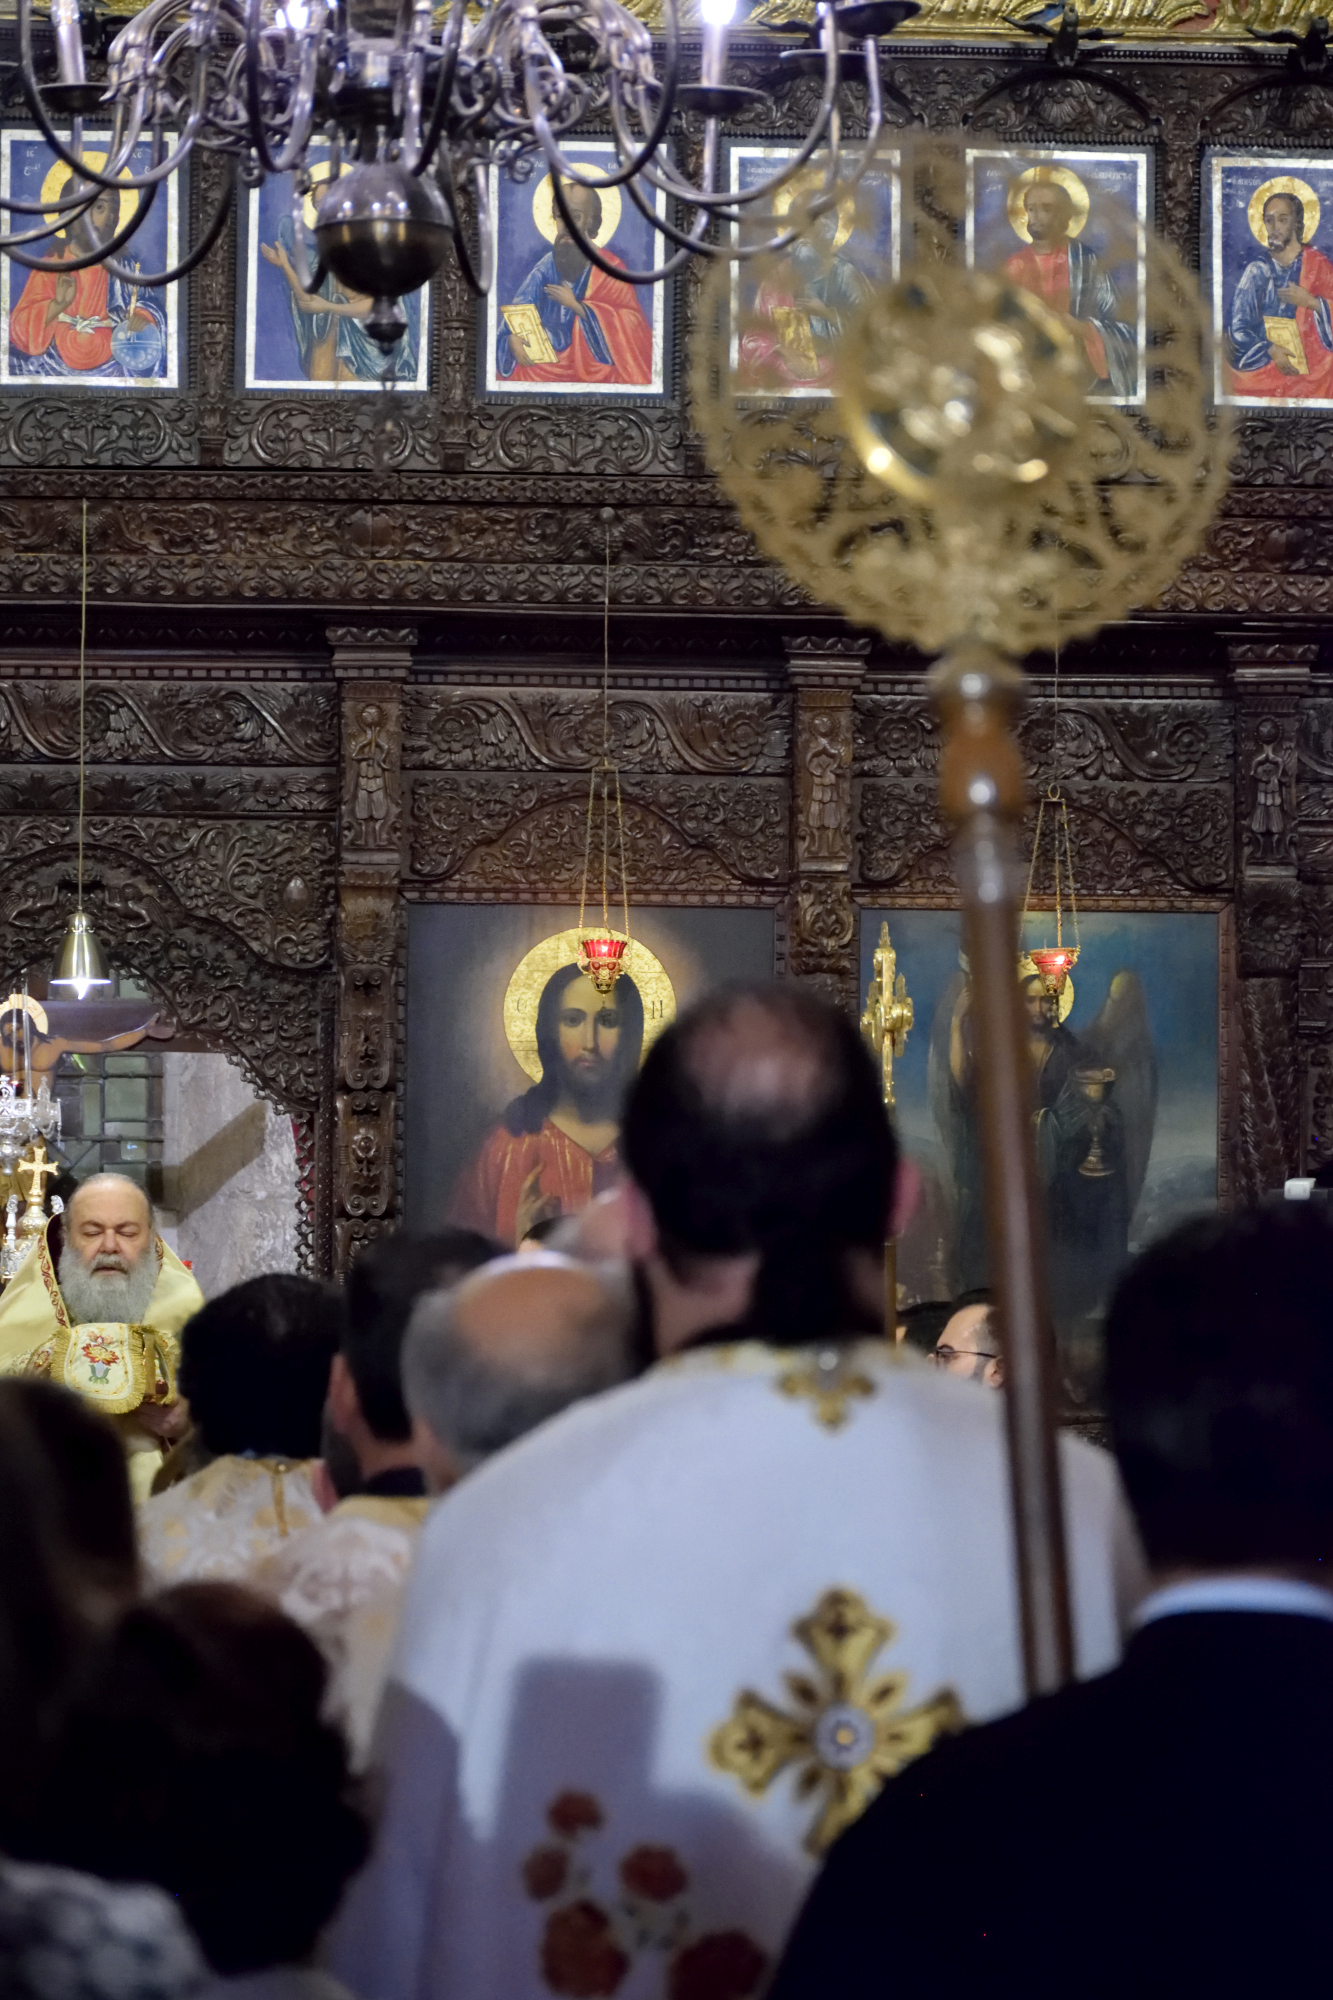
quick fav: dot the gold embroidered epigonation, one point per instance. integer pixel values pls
(847, 1730)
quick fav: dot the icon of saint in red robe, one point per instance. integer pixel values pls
(1280, 333)
(1067, 276)
(557, 1145)
(570, 322)
(86, 323)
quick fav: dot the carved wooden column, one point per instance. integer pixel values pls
(824, 675)
(1270, 678)
(370, 667)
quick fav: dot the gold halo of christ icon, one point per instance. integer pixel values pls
(556, 1145)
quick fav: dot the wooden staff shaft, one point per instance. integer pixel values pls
(981, 787)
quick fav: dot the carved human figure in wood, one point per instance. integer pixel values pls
(826, 754)
(371, 803)
(1268, 774)
(556, 1145)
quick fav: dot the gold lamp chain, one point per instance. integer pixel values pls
(1032, 864)
(587, 847)
(1069, 867)
(606, 718)
(83, 647)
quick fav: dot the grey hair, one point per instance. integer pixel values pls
(475, 1408)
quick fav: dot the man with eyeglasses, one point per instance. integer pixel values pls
(968, 1344)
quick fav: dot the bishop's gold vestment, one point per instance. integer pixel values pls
(117, 1367)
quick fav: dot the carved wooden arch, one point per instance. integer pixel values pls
(272, 1022)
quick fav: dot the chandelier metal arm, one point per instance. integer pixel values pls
(835, 188)
(193, 258)
(111, 175)
(85, 202)
(642, 152)
(589, 249)
(303, 111)
(61, 265)
(410, 113)
(691, 243)
(479, 281)
(450, 43)
(730, 199)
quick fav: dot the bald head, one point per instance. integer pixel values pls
(757, 1127)
(510, 1346)
(109, 1215)
(758, 1058)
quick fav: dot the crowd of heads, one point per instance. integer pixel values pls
(756, 1147)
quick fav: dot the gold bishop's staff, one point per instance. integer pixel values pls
(981, 790)
(886, 1023)
(960, 491)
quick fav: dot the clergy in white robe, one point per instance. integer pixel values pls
(658, 1654)
(254, 1368)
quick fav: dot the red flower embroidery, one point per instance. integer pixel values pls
(725, 1965)
(544, 1872)
(579, 1953)
(572, 1812)
(654, 1873)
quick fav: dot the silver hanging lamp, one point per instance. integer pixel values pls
(80, 964)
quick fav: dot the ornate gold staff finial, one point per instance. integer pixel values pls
(889, 1015)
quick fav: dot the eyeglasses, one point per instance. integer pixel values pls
(944, 1355)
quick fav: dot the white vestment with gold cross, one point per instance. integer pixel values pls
(656, 1655)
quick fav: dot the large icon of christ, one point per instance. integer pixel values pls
(556, 1145)
(568, 321)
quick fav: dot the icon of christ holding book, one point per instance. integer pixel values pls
(1281, 323)
(570, 322)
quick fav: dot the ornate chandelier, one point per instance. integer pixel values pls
(413, 120)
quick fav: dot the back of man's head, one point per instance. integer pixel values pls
(382, 1287)
(512, 1345)
(1219, 1386)
(255, 1365)
(757, 1125)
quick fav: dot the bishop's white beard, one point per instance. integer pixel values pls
(107, 1295)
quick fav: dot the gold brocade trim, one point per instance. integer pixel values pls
(53, 1291)
(849, 1732)
(828, 1383)
(830, 1378)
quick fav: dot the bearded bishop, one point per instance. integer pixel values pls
(98, 1307)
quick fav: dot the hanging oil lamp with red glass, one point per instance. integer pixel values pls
(1053, 962)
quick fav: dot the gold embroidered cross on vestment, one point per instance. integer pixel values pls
(849, 1730)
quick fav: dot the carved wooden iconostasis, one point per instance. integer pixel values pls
(344, 656)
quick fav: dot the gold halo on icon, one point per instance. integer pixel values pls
(1062, 177)
(1027, 970)
(60, 173)
(543, 210)
(530, 975)
(1283, 184)
(806, 185)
